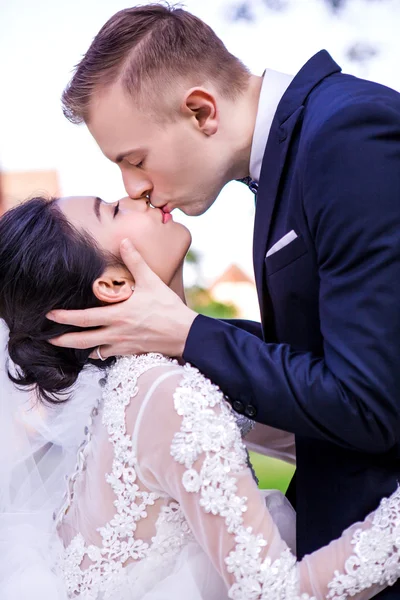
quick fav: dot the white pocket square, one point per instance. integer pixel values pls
(284, 241)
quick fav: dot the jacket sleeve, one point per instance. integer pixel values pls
(350, 396)
(252, 327)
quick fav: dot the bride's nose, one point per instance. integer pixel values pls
(137, 203)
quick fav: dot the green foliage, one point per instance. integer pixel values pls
(199, 300)
(218, 310)
(193, 257)
(272, 474)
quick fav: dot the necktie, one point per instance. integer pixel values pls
(251, 184)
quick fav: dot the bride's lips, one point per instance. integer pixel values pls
(166, 217)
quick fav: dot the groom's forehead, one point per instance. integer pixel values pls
(113, 105)
(119, 127)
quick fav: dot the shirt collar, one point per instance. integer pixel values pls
(273, 87)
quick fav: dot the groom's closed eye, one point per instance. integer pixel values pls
(136, 164)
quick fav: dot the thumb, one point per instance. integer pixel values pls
(135, 263)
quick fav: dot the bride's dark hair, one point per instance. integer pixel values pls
(45, 263)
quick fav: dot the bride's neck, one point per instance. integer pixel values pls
(176, 284)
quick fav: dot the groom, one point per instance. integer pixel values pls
(181, 117)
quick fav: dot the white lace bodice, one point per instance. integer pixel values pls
(164, 466)
(119, 543)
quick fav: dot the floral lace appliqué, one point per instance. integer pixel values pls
(209, 446)
(209, 432)
(376, 558)
(106, 573)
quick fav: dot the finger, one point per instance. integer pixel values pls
(105, 353)
(136, 264)
(90, 317)
(79, 340)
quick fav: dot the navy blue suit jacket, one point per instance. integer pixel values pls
(325, 363)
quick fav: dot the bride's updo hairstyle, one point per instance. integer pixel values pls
(45, 263)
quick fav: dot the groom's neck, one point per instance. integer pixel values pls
(242, 120)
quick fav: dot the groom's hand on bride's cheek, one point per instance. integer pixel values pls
(153, 319)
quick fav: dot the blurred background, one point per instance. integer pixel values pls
(41, 152)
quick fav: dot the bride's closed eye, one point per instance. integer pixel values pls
(116, 210)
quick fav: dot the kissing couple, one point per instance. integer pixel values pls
(125, 472)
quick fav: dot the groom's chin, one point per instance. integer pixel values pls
(195, 209)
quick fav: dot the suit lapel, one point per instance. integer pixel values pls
(271, 173)
(288, 113)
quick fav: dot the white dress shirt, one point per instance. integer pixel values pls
(273, 87)
(263, 439)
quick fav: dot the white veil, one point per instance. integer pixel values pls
(38, 451)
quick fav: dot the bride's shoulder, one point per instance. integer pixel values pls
(127, 370)
(135, 375)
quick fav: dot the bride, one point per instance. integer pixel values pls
(147, 492)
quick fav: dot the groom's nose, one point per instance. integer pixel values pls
(136, 184)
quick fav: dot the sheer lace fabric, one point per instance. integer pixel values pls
(272, 442)
(177, 485)
(111, 519)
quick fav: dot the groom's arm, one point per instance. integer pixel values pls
(351, 395)
(250, 326)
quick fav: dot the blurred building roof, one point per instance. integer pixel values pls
(235, 287)
(233, 274)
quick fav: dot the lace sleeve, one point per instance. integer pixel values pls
(272, 442)
(192, 450)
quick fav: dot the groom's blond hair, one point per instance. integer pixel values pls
(148, 49)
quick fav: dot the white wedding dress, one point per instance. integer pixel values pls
(163, 506)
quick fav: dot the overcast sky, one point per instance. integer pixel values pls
(41, 40)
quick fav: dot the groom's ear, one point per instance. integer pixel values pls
(113, 286)
(201, 105)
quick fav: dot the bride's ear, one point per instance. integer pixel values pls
(114, 285)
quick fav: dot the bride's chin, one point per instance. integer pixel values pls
(186, 236)
(188, 242)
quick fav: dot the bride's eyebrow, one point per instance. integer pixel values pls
(96, 207)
